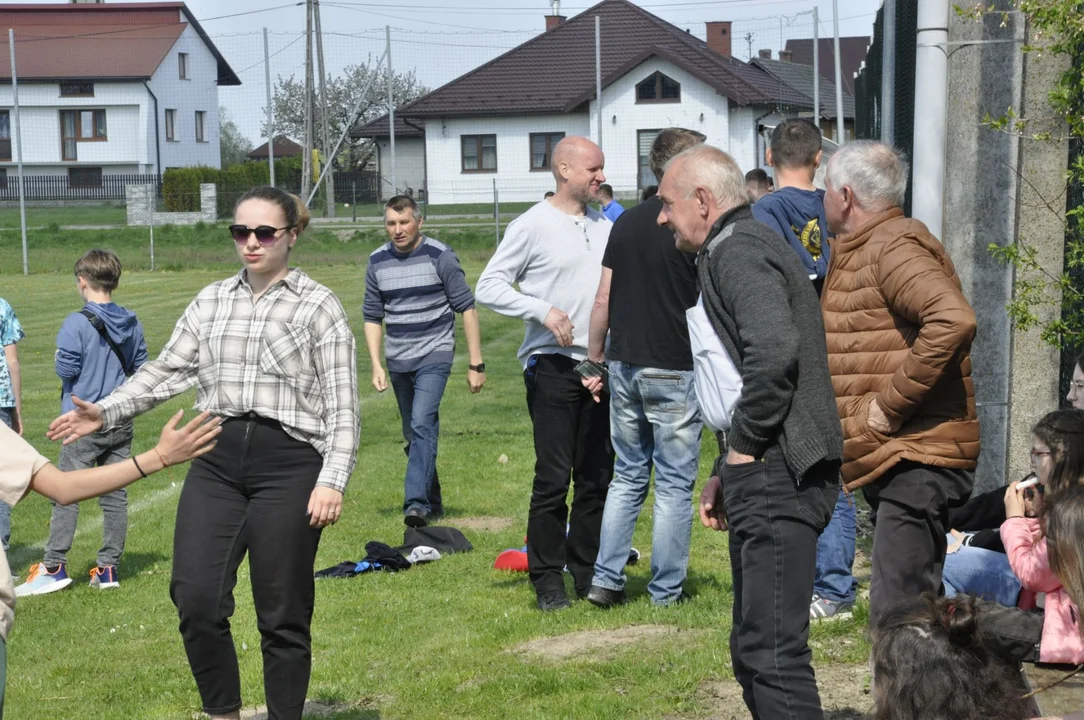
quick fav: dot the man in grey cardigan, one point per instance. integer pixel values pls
(775, 491)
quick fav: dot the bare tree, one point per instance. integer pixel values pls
(343, 93)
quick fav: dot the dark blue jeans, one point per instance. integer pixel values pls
(835, 554)
(774, 521)
(418, 394)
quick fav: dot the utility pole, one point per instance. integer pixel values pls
(391, 112)
(306, 158)
(840, 138)
(598, 74)
(817, 69)
(270, 111)
(930, 120)
(325, 145)
(749, 40)
(888, 74)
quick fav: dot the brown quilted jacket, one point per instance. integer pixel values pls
(899, 329)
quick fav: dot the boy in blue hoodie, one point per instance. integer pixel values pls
(97, 349)
(796, 211)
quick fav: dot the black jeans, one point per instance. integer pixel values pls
(1011, 633)
(571, 439)
(774, 522)
(910, 504)
(250, 494)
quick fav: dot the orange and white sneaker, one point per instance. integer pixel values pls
(104, 577)
(42, 580)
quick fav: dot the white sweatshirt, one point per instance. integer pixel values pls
(556, 259)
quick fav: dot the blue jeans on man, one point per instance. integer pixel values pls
(418, 394)
(654, 422)
(834, 580)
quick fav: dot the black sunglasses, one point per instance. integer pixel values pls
(265, 234)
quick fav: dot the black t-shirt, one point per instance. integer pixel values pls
(653, 285)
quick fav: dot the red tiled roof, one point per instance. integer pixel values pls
(97, 41)
(284, 147)
(852, 52)
(555, 72)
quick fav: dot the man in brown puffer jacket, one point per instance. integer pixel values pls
(899, 333)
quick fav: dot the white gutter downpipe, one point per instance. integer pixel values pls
(931, 93)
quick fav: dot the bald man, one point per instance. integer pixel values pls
(553, 252)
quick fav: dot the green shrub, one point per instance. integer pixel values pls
(180, 186)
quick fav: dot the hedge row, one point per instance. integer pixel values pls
(180, 186)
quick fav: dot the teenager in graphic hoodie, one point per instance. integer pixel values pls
(796, 212)
(90, 370)
(796, 209)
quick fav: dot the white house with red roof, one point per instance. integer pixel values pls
(110, 89)
(496, 125)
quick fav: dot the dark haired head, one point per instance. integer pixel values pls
(293, 207)
(549, 194)
(929, 663)
(399, 203)
(1080, 362)
(100, 268)
(649, 191)
(795, 144)
(1063, 432)
(606, 190)
(669, 143)
(758, 176)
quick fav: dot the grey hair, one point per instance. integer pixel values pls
(875, 172)
(708, 167)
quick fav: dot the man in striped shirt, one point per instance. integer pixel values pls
(414, 285)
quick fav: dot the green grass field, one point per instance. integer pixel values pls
(432, 642)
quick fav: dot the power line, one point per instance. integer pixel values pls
(284, 47)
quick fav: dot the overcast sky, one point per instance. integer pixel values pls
(442, 39)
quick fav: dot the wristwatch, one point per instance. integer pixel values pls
(479, 368)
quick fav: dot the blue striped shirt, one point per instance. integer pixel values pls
(416, 296)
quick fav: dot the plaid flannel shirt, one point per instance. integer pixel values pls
(289, 356)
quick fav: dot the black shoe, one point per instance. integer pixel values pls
(605, 597)
(581, 592)
(415, 518)
(681, 599)
(553, 600)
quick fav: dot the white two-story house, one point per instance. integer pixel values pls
(495, 127)
(109, 89)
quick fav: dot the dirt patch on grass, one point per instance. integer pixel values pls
(362, 710)
(483, 523)
(593, 644)
(843, 690)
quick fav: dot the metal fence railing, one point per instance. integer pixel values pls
(79, 184)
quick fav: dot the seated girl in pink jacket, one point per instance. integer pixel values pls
(1045, 553)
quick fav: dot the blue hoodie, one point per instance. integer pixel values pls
(798, 216)
(87, 366)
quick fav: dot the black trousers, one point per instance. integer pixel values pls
(250, 494)
(774, 522)
(910, 504)
(571, 440)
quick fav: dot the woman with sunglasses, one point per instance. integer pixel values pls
(270, 351)
(976, 561)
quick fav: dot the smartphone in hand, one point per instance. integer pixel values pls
(591, 369)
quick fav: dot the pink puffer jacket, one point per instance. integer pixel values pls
(1026, 549)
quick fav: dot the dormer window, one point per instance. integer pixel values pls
(658, 88)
